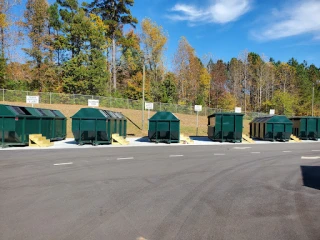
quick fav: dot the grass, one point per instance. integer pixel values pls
(187, 122)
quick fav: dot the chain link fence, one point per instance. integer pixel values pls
(110, 102)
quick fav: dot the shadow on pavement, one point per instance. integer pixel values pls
(143, 139)
(311, 176)
(73, 142)
(200, 138)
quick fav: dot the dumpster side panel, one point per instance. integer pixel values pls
(46, 127)
(163, 132)
(269, 131)
(311, 128)
(16, 132)
(175, 131)
(302, 128)
(32, 126)
(76, 129)
(87, 132)
(152, 130)
(102, 134)
(238, 127)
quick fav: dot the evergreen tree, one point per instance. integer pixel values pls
(115, 14)
(84, 69)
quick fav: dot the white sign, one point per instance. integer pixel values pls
(197, 108)
(148, 105)
(272, 111)
(237, 109)
(32, 99)
(93, 103)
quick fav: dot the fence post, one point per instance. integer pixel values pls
(50, 97)
(3, 95)
(160, 106)
(128, 104)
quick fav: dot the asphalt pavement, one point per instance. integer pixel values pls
(234, 191)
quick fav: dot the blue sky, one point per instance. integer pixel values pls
(223, 28)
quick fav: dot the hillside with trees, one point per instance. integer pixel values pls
(95, 48)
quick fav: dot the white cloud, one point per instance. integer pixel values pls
(219, 11)
(301, 18)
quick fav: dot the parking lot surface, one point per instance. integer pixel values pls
(232, 191)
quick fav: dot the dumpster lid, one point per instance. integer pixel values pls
(226, 114)
(302, 117)
(272, 119)
(93, 113)
(119, 115)
(164, 116)
(57, 113)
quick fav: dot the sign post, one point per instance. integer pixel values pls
(197, 108)
(93, 103)
(32, 100)
(148, 106)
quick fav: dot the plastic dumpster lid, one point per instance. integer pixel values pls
(19, 110)
(119, 115)
(108, 114)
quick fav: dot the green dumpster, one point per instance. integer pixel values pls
(52, 123)
(96, 126)
(164, 127)
(271, 128)
(306, 127)
(122, 124)
(225, 127)
(17, 122)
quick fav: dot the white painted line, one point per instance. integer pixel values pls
(219, 154)
(241, 147)
(176, 156)
(255, 152)
(286, 151)
(315, 150)
(127, 158)
(310, 157)
(60, 164)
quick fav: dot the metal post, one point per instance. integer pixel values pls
(143, 81)
(197, 123)
(148, 117)
(312, 98)
(3, 95)
(50, 97)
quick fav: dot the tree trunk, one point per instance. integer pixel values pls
(114, 71)
(2, 42)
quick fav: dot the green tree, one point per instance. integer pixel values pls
(169, 89)
(284, 103)
(115, 14)
(36, 23)
(85, 71)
